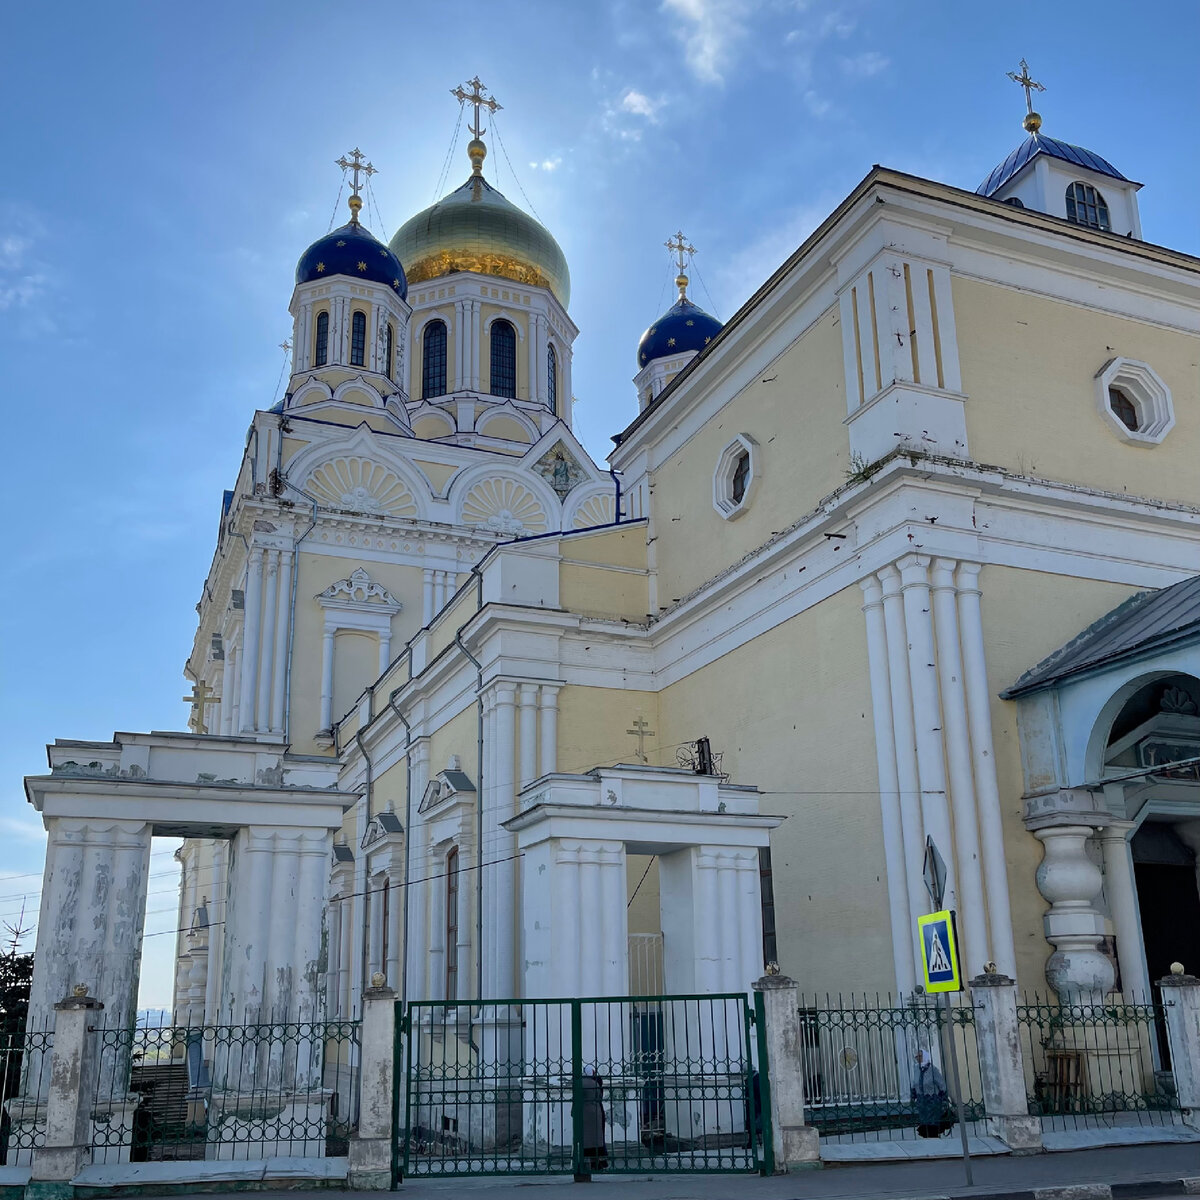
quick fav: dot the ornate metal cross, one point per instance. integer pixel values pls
(1029, 84)
(641, 730)
(679, 246)
(479, 98)
(202, 696)
(356, 162)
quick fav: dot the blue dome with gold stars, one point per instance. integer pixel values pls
(684, 326)
(354, 251)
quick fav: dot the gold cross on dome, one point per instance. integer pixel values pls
(356, 163)
(1027, 82)
(479, 98)
(202, 696)
(641, 730)
(680, 246)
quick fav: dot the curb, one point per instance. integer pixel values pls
(1187, 1186)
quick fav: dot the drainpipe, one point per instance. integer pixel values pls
(479, 792)
(407, 826)
(359, 861)
(617, 484)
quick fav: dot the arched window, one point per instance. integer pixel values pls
(452, 925)
(504, 359)
(389, 346)
(433, 360)
(358, 339)
(551, 379)
(1085, 206)
(321, 350)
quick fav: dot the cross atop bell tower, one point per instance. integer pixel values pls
(479, 97)
(1032, 121)
(683, 250)
(357, 164)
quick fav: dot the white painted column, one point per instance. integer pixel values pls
(327, 678)
(476, 345)
(987, 789)
(505, 845)
(385, 648)
(532, 339)
(346, 949)
(548, 735)
(438, 949)
(418, 923)
(375, 920)
(488, 882)
(591, 902)
(463, 947)
(927, 712)
(253, 886)
(564, 391)
(1120, 890)
(528, 767)
(906, 754)
(972, 911)
(614, 941)
(262, 707)
(459, 382)
(233, 681)
(889, 786)
(250, 642)
(395, 934)
(216, 917)
(282, 618)
(707, 919)
(426, 596)
(439, 591)
(225, 704)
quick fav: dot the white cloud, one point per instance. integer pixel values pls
(21, 281)
(816, 104)
(710, 31)
(640, 104)
(547, 164)
(865, 65)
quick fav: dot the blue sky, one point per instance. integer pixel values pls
(165, 166)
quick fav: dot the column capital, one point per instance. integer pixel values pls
(872, 591)
(914, 570)
(1117, 830)
(942, 576)
(529, 694)
(968, 576)
(889, 579)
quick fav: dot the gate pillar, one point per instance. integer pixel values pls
(1181, 1003)
(371, 1148)
(781, 1074)
(1001, 1064)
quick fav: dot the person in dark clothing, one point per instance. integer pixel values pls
(930, 1098)
(595, 1148)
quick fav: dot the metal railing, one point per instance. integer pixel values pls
(24, 1082)
(862, 1081)
(639, 1083)
(1090, 1066)
(287, 1089)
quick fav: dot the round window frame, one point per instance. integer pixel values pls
(727, 463)
(1146, 391)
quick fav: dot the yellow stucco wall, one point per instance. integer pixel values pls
(1026, 616)
(1045, 421)
(430, 427)
(791, 713)
(592, 724)
(794, 410)
(438, 474)
(459, 735)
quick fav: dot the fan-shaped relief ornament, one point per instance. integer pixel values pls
(504, 506)
(599, 510)
(359, 485)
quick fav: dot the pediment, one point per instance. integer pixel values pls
(382, 827)
(360, 592)
(445, 787)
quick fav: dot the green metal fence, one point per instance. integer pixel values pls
(24, 1079)
(227, 1092)
(1096, 1066)
(861, 1079)
(640, 1083)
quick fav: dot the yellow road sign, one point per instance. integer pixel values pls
(939, 952)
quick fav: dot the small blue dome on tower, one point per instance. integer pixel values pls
(684, 326)
(354, 251)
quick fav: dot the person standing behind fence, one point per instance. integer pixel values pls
(931, 1101)
(595, 1148)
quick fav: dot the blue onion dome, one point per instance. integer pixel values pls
(684, 326)
(352, 250)
(475, 228)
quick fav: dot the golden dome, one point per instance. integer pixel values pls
(475, 228)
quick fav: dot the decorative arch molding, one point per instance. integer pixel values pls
(511, 411)
(504, 315)
(593, 507)
(427, 317)
(358, 383)
(507, 502)
(354, 484)
(311, 391)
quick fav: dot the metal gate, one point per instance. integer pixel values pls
(625, 1084)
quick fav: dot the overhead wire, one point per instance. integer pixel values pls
(338, 201)
(511, 168)
(437, 187)
(711, 301)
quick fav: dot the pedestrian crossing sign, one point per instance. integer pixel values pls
(939, 952)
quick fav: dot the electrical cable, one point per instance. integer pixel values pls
(437, 187)
(337, 202)
(512, 169)
(711, 301)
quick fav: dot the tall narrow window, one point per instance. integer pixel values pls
(551, 379)
(504, 359)
(321, 350)
(358, 339)
(389, 349)
(433, 360)
(1086, 206)
(452, 925)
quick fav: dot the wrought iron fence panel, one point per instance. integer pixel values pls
(632, 1084)
(1096, 1065)
(225, 1092)
(862, 1081)
(24, 1082)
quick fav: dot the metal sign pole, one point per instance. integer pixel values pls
(956, 1084)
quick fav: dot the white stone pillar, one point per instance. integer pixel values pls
(927, 713)
(548, 734)
(262, 707)
(418, 888)
(459, 382)
(972, 911)
(487, 878)
(889, 786)
(438, 949)
(614, 938)
(346, 950)
(216, 916)
(591, 902)
(906, 754)
(528, 766)
(707, 921)
(327, 679)
(282, 620)
(250, 641)
(505, 846)
(278, 976)
(476, 345)
(252, 888)
(987, 789)
(439, 591)
(225, 704)
(371, 1145)
(233, 677)
(532, 338)
(426, 596)
(391, 968)
(463, 947)
(1181, 1004)
(375, 920)
(1120, 891)
(1001, 1064)
(565, 394)
(385, 649)
(777, 1002)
